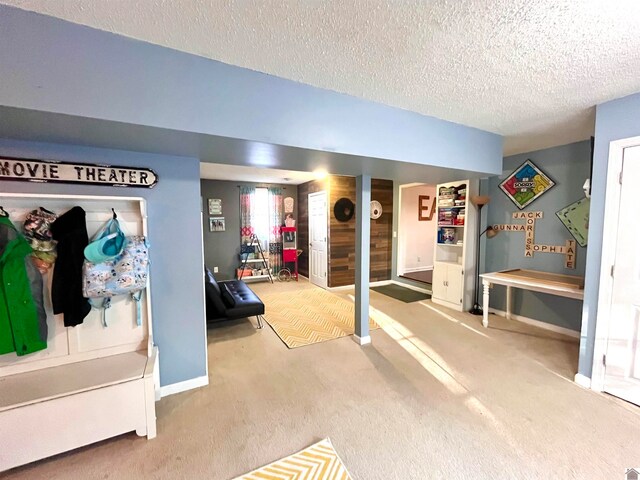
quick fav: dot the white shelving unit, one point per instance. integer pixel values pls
(454, 256)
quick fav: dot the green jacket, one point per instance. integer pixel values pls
(19, 327)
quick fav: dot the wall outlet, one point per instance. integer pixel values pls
(418, 258)
(215, 269)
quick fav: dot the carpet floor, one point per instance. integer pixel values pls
(403, 294)
(434, 396)
(307, 316)
(317, 462)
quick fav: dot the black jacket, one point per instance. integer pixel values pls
(70, 230)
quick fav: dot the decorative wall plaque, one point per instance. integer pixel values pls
(576, 218)
(288, 205)
(42, 171)
(215, 206)
(525, 184)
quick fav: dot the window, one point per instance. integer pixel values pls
(260, 220)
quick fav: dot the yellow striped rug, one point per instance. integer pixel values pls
(318, 462)
(310, 315)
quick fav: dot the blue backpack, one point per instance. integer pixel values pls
(125, 274)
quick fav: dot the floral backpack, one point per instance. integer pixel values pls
(125, 274)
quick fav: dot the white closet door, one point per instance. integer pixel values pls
(318, 238)
(622, 368)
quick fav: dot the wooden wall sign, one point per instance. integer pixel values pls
(42, 171)
(530, 247)
(425, 208)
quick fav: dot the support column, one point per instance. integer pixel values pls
(363, 244)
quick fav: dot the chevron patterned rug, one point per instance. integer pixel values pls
(310, 315)
(318, 462)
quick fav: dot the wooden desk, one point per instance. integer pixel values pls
(552, 283)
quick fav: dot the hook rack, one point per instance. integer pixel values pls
(3, 212)
(115, 216)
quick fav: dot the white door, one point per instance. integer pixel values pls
(318, 239)
(622, 361)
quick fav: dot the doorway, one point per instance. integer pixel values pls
(416, 232)
(318, 238)
(616, 367)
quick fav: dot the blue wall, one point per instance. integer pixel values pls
(174, 234)
(614, 120)
(568, 166)
(51, 65)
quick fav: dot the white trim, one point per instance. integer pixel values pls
(609, 242)
(582, 380)
(411, 287)
(538, 323)
(417, 269)
(362, 340)
(204, 299)
(72, 197)
(184, 386)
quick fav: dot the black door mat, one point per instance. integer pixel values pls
(403, 294)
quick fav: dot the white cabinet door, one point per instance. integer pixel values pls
(454, 284)
(439, 286)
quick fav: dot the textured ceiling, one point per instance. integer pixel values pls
(529, 70)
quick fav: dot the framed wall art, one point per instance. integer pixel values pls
(215, 206)
(216, 224)
(525, 184)
(288, 205)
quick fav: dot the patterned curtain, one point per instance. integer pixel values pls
(275, 232)
(247, 202)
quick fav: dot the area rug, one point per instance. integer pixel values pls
(401, 293)
(310, 315)
(318, 462)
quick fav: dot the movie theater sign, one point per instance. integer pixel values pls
(83, 173)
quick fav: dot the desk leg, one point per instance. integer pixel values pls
(509, 303)
(485, 303)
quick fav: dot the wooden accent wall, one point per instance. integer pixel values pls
(302, 222)
(342, 235)
(341, 250)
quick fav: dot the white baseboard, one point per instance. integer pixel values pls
(539, 324)
(417, 269)
(362, 340)
(184, 386)
(411, 287)
(582, 380)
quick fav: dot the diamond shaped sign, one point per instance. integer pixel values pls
(525, 184)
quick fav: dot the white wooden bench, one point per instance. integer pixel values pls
(92, 382)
